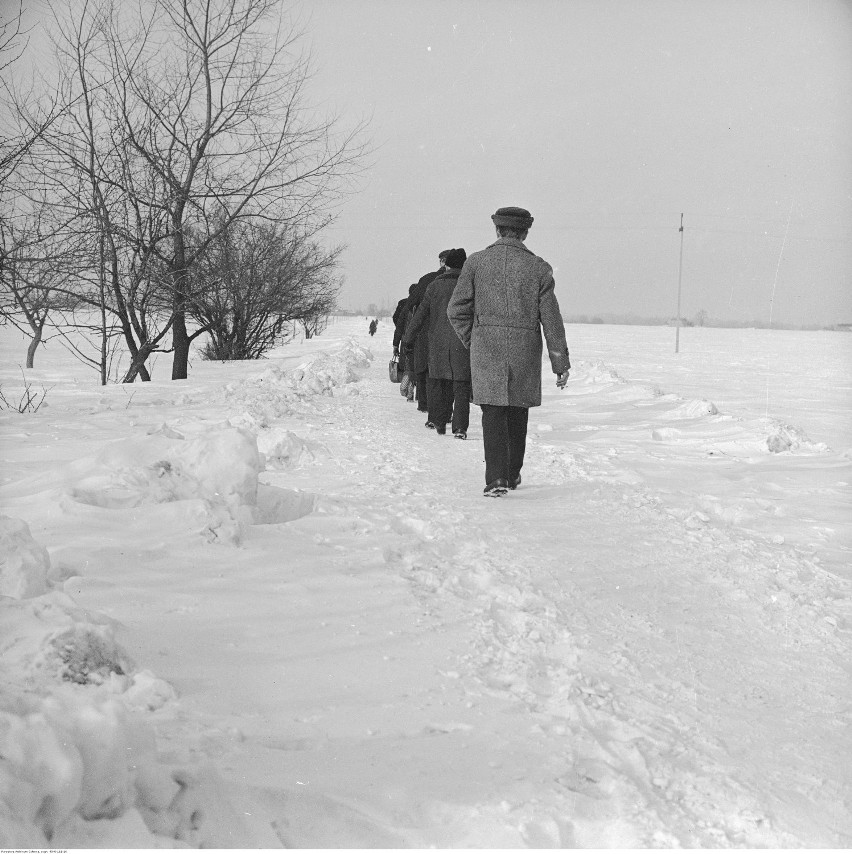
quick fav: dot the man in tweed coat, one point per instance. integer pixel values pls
(503, 299)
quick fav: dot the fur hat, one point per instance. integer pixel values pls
(455, 259)
(513, 218)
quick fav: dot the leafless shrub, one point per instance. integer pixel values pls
(258, 281)
(30, 401)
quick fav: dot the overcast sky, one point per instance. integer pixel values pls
(606, 119)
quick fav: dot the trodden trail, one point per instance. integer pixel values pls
(668, 683)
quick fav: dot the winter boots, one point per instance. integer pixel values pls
(496, 488)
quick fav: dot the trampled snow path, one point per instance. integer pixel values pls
(648, 658)
(365, 652)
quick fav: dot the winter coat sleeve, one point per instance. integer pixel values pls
(398, 311)
(460, 306)
(399, 318)
(553, 325)
(416, 323)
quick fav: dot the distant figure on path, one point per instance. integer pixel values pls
(417, 356)
(374, 325)
(504, 297)
(449, 360)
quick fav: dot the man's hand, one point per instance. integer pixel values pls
(561, 379)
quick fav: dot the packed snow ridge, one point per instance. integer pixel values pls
(76, 769)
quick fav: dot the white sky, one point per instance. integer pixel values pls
(607, 119)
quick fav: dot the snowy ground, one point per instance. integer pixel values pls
(266, 607)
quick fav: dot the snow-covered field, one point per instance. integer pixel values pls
(265, 607)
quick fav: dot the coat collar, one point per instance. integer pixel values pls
(511, 241)
(449, 274)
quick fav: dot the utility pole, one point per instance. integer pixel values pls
(679, 279)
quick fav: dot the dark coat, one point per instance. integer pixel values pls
(417, 359)
(400, 316)
(503, 299)
(449, 359)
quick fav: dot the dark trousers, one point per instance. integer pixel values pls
(449, 399)
(422, 380)
(504, 433)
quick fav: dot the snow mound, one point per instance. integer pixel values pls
(86, 654)
(282, 448)
(204, 484)
(734, 437)
(691, 409)
(328, 371)
(595, 373)
(785, 437)
(148, 692)
(80, 772)
(49, 641)
(598, 377)
(276, 505)
(24, 564)
(220, 466)
(78, 765)
(278, 389)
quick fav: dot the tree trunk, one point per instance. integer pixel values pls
(137, 369)
(180, 342)
(180, 336)
(33, 346)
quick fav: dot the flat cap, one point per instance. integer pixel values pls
(512, 217)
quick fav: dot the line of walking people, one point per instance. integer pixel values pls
(436, 363)
(471, 332)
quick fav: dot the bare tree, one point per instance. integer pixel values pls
(104, 194)
(315, 318)
(16, 141)
(210, 107)
(34, 265)
(11, 33)
(27, 298)
(256, 281)
(183, 119)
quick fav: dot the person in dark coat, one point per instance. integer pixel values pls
(400, 320)
(449, 360)
(503, 299)
(417, 356)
